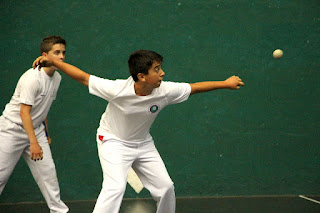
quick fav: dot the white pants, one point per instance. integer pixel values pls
(116, 158)
(14, 142)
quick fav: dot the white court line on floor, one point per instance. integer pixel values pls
(312, 200)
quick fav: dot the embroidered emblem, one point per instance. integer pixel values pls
(154, 108)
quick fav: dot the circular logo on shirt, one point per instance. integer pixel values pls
(154, 108)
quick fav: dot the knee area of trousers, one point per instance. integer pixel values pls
(48, 172)
(117, 188)
(168, 187)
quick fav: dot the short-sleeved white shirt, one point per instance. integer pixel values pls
(128, 117)
(34, 88)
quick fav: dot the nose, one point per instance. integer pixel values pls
(162, 72)
(62, 56)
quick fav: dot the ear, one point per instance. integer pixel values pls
(141, 77)
(44, 54)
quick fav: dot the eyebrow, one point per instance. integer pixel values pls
(60, 51)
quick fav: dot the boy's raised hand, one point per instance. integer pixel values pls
(234, 82)
(42, 61)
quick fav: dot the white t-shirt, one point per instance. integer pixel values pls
(128, 117)
(34, 88)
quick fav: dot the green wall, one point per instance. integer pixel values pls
(261, 140)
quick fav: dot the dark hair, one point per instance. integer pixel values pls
(49, 41)
(141, 61)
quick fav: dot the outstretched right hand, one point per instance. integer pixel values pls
(234, 82)
(42, 61)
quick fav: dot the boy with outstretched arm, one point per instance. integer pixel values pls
(123, 136)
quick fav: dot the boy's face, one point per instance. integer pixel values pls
(155, 75)
(57, 52)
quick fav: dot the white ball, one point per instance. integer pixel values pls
(277, 53)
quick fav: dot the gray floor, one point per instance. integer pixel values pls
(261, 204)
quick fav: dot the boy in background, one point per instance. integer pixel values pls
(24, 125)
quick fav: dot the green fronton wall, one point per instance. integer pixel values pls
(260, 140)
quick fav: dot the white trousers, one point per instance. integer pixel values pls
(116, 158)
(14, 142)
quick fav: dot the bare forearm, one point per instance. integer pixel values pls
(233, 82)
(207, 86)
(74, 72)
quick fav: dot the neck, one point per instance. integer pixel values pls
(141, 89)
(49, 70)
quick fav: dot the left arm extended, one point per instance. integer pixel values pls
(233, 82)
